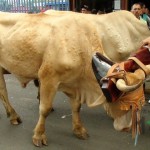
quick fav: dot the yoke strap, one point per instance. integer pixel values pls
(143, 67)
(116, 71)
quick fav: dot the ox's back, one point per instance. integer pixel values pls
(121, 34)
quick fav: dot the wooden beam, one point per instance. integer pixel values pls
(124, 4)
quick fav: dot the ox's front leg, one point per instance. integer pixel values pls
(47, 93)
(78, 128)
(14, 117)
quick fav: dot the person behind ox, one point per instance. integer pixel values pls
(136, 9)
(94, 11)
(146, 42)
(147, 12)
(144, 15)
(84, 9)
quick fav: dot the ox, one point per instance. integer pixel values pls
(58, 51)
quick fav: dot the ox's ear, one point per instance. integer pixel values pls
(148, 22)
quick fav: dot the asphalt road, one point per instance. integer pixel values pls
(59, 126)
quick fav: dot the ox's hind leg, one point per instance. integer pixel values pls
(78, 128)
(14, 117)
(48, 90)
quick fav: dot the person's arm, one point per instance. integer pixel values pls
(146, 42)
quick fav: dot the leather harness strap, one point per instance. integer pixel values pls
(116, 71)
(141, 65)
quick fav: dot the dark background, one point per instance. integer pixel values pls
(131, 2)
(106, 5)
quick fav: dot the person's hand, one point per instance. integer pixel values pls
(146, 42)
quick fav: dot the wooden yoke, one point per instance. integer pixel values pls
(108, 87)
(133, 100)
(118, 70)
(142, 55)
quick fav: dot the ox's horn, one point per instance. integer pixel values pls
(122, 86)
(102, 65)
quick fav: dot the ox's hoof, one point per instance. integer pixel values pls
(81, 133)
(39, 140)
(16, 121)
(14, 117)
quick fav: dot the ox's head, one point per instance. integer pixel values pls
(123, 88)
(131, 99)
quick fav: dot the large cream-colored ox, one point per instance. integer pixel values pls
(58, 51)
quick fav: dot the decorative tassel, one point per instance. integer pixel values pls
(134, 119)
(136, 127)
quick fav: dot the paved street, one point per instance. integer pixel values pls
(59, 126)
